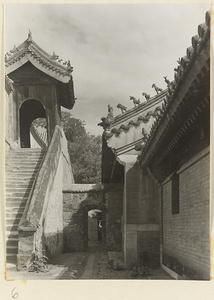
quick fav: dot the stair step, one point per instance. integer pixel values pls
(26, 160)
(14, 211)
(12, 227)
(18, 194)
(12, 243)
(18, 204)
(28, 150)
(13, 215)
(18, 189)
(13, 177)
(11, 153)
(11, 258)
(9, 170)
(19, 159)
(12, 221)
(17, 181)
(12, 238)
(19, 185)
(17, 198)
(28, 156)
(12, 250)
(21, 172)
(15, 203)
(22, 162)
(16, 207)
(12, 234)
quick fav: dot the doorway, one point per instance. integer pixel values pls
(94, 226)
(29, 111)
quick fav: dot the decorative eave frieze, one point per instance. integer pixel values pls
(142, 118)
(132, 113)
(134, 117)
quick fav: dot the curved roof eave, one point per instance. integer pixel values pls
(51, 65)
(28, 58)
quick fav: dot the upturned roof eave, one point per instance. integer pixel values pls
(28, 58)
(30, 51)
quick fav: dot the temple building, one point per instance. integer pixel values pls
(153, 201)
(159, 154)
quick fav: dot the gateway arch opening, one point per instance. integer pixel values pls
(29, 111)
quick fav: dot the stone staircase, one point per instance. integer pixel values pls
(21, 167)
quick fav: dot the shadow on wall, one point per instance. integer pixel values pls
(53, 244)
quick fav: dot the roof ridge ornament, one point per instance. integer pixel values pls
(122, 107)
(157, 89)
(167, 80)
(54, 56)
(29, 39)
(135, 101)
(147, 96)
(69, 67)
(14, 50)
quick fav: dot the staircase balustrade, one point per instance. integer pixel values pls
(32, 222)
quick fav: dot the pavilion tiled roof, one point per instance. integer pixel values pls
(29, 50)
(51, 65)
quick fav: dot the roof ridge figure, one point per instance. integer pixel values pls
(29, 39)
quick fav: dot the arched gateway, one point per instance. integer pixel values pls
(29, 111)
(78, 200)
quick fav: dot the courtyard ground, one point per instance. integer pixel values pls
(96, 263)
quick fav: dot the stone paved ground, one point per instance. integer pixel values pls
(91, 265)
(98, 267)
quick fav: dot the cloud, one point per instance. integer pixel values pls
(116, 50)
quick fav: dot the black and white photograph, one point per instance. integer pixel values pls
(107, 142)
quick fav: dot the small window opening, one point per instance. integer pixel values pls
(175, 194)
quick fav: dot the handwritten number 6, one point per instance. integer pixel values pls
(14, 295)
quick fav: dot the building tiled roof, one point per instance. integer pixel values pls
(190, 71)
(136, 129)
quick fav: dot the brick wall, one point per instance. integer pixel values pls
(186, 234)
(142, 198)
(141, 241)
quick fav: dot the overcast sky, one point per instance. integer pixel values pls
(116, 50)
